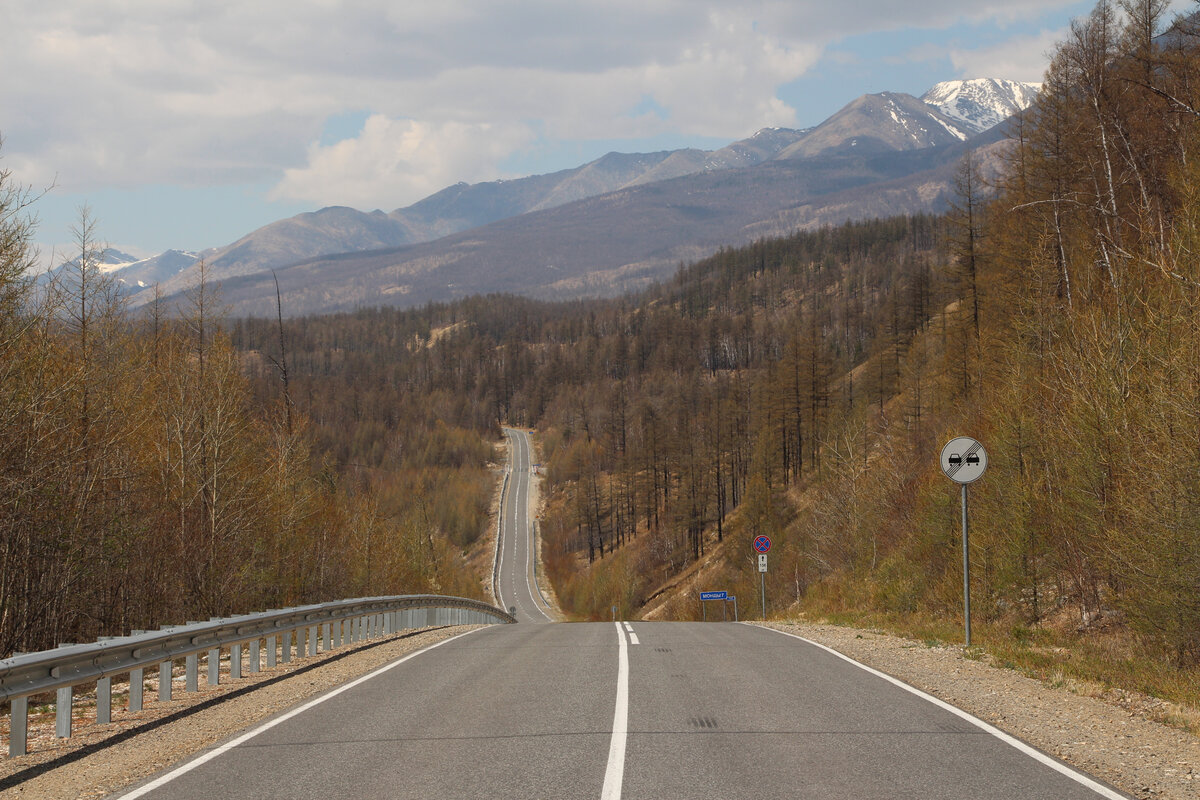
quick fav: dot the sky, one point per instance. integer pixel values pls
(187, 125)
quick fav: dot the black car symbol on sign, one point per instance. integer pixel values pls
(956, 459)
(973, 458)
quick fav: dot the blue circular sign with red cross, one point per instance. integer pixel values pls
(762, 544)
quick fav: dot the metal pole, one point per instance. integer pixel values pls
(703, 612)
(723, 612)
(735, 619)
(762, 579)
(966, 569)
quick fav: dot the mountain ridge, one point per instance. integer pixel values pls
(882, 124)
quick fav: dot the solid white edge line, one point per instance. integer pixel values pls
(1008, 739)
(614, 775)
(266, 726)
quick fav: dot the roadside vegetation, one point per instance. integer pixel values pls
(151, 472)
(799, 387)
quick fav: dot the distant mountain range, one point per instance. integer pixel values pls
(613, 224)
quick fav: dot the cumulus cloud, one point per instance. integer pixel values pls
(131, 92)
(1023, 58)
(400, 161)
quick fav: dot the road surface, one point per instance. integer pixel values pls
(627, 710)
(516, 587)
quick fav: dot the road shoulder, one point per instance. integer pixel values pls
(1114, 743)
(98, 760)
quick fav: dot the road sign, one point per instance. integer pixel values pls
(762, 544)
(714, 595)
(762, 562)
(964, 460)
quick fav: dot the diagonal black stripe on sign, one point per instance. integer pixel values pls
(954, 468)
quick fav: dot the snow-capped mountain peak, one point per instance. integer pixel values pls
(981, 103)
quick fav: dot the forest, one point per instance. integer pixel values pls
(802, 387)
(151, 473)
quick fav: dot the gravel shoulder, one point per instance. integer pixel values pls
(1107, 736)
(99, 760)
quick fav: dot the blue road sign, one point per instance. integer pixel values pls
(714, 595)
(762, 544)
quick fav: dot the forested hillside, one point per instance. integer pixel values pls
(145, 479)
(1055, 317)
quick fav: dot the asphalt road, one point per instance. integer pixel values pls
(640, 710)
(515, 584)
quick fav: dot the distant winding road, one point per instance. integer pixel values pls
(516, 584)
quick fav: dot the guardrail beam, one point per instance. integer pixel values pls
(338, 623)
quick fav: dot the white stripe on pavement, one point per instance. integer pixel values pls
(266, 726)
(1033, 753)
(615, 774)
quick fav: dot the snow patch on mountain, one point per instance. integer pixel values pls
(981, 103)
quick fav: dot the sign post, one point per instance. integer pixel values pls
(761, 545)
(734, 601)
(964, 461)
(705, 596)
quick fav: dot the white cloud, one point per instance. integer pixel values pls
(135, 92)
(1019, 59)
(396, 162)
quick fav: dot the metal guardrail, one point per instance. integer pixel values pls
(331, 624)
(499, 529)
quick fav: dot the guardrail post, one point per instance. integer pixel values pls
(164, 680)
(18, 726)
(213, 666)
(327, 636)
(235, 661)
(285, 650)
(192, 672)
(62, 713)
(312, 640)
(136, 683)
(104, 700)
(337, 633)
(255, 656)
(271, 646)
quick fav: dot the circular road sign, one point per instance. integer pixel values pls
(964, 460)
(762, 544)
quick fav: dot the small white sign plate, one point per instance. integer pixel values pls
(964, 460)
(762, 562)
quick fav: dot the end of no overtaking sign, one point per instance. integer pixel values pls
(964, 460)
